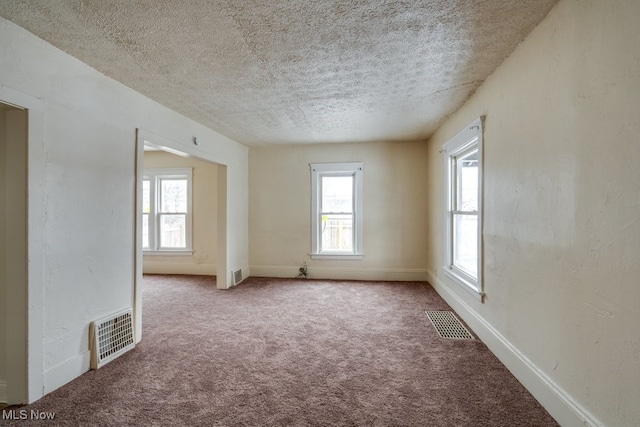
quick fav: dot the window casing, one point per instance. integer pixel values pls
(463, 214)
(166, 211)
(336, 211)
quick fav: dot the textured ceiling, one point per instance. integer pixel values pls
(296, 71)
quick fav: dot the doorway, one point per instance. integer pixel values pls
(149, 140)
(13, 254)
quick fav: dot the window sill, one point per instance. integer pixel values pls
(464, 283)
(173, 252)
(348, 257)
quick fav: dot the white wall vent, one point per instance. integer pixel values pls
(111, 337)
(237, 276)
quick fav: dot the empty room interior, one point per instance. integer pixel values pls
(273, 201)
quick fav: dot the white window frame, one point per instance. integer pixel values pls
(468, 139)
(318, 171)
(155, 176)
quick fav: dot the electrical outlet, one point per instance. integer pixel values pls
(303, 271)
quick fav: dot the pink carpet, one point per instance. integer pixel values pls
(275, 352)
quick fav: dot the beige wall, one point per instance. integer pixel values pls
(204, 196)
(395, 206)
(13, 255)
(562, 208)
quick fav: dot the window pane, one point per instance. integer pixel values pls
(173, 195)
(337, 232)
(145, 230)
(467, 168)
(173, 231)
(465, 243)
(146, 196)
(337, 194)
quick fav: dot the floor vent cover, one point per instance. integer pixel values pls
(111, 337)
(237, 276)
(448, 325)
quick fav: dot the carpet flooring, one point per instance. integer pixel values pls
(273, 352)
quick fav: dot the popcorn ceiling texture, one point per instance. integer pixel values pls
(273, 72)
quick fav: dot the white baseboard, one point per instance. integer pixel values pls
(175, 268)
(3, 392)
(554, 399)
(341, 273)
(65, 372)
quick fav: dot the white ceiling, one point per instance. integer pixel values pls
(292, 71)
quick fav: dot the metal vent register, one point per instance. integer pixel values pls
(448, 325)
(111, 337)
(237, 276)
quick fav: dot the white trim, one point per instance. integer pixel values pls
(468, 138)
(466, 285)
(167, 252)
(155, 178)
(66, 372)
(318, 170)
(168, 172)
(342, 273)
(561, 405)
(337, 256)
(36, 214)
(137, 237)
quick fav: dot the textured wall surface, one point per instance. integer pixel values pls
(81, 199)
(204, 205)
(561, 203)
(292, 71)
(395, 206)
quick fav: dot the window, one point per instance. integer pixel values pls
(166, 211)
(463, 157)
(336, 210)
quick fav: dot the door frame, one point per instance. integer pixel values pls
(143, 136)
(28, 384)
